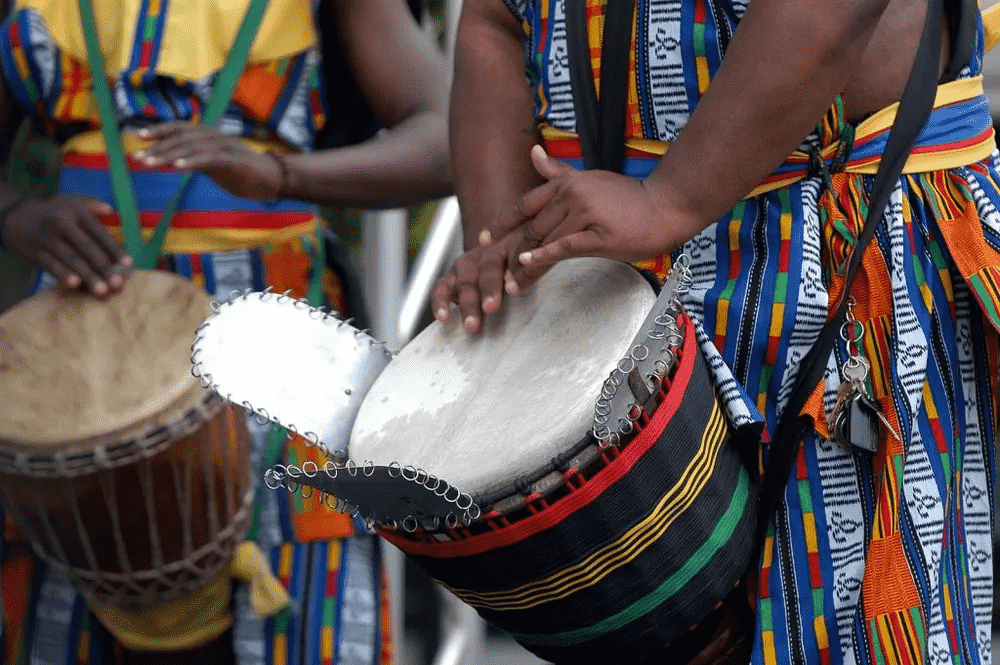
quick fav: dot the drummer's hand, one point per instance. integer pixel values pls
(591, 213)
(64, 237)
(224, 158)
(476, 283)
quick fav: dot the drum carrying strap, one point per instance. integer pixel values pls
(601, 127)
(914, 110)
(600, 121)
(146, 255)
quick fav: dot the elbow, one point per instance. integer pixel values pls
(438, 180)
(437, 175)
(445, 180)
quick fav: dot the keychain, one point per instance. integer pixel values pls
(856, 416)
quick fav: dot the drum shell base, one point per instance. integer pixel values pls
(629, 561)
(149, 526)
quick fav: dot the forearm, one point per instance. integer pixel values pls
(402, 166)
(492, 117)
(784, 66)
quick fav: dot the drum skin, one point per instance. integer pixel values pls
(124, 473)
(479, 410)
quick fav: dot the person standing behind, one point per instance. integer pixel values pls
(774, 113)
(248, 220)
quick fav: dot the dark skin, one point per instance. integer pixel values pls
(402, 76)
(524, 212)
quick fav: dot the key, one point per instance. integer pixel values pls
(856, 421)
(856, 371)
(864, 423)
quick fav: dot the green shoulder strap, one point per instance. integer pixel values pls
(147, 255)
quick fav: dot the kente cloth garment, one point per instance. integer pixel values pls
(278, 103)
(871, 558)
(330, 566)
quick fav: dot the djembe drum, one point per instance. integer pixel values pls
(125, 475)
(568, 471)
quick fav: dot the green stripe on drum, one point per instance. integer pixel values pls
(623, 551)
(721, 535)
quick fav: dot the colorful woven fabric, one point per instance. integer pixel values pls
(223, 243)
(209, 218)
(277, 103)
(880, 558)
(278, 100)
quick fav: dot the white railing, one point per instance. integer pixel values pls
(396, 314)
(440, 248)
(397, 311)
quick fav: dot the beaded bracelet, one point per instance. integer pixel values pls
(280, 159)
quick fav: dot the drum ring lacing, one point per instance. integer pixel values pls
(302, 304)
(666, 328)
(284, 476)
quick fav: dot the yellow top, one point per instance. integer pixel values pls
(197, 36)
(991, 25)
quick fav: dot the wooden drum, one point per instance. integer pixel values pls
(125, 474)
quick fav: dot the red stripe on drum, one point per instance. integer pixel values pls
(590, 492)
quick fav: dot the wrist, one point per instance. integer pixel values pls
(284, 187)
(685, 219)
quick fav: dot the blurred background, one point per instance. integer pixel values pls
(384, 245)
(387, 248)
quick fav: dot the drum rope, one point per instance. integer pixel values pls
(183, 504)
(149, 496)
(207, 469)
(71, 497)
(107, 484)
(171, 581)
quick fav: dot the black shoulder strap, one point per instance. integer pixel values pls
(600, 123)
(914, 110)
(963, 23)
(597, 131)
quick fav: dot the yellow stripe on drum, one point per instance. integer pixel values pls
(634, 542)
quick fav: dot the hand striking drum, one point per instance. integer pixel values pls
(544, 470)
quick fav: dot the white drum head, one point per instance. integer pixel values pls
(482, 410)
(290, 363)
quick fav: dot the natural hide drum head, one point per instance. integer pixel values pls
(75, 368)
(483, 410)
(293, 364)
